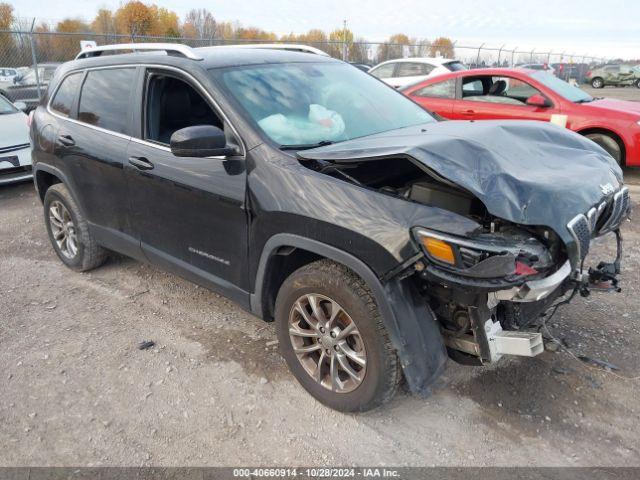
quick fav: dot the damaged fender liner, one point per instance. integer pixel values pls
(489, 160)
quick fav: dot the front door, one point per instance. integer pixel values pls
(189, 213)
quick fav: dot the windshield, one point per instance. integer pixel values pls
(6, 107)
(562, 88)
(305, 104)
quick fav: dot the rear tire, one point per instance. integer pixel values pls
(609, 143)
(638, 83)
(597, 82)
(354, 346)
(69, 231)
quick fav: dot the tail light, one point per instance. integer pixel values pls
(30, 119)
(588, 74)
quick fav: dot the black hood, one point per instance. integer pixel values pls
(527, 172)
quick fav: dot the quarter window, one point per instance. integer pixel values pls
(446, 89)
(104, 100)
(63, 100)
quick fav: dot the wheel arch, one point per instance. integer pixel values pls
(606, 131)
(412, 326)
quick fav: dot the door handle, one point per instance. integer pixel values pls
(141, 163)
(469, 112)
(66, 140)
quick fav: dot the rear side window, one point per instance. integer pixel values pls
(412, 69)
(63, 100)
(446, 89)
(104, 100)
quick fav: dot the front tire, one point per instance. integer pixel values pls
(69, 231)
(332, 336)
(597, 82)
(638, 83)
(609, 143)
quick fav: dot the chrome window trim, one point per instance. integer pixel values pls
(139, 140)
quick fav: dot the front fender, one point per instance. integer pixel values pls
(412, 326)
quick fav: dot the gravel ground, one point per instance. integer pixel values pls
(621, 93)
(214, 391)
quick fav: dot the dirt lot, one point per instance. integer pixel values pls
(621, 93)
(77, 391)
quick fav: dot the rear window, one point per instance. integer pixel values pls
(63, 100)
(104, 100)
(455, 66)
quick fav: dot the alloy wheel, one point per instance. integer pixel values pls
(327, 343)
(63, 229)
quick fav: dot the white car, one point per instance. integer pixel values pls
(405, 71)
(15, 149)
(7, 74)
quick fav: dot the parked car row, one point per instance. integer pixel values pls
(28, 86)
(615, 75)
(15, 149)
(379, 239)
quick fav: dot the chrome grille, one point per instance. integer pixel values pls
(599, 220)
(617, 210)
(581, 232)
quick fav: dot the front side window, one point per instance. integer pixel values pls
(446, 89)
(63, 100)
(494, 89)
(172, 104)
(384, 71)
(308, 103)
(104, 99)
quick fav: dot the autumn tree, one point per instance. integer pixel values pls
(393, 48)
(65, 47)
(166, 22)
(103, 23)
(7, 44)
(442, 47)
(199, 23)
(135, 18)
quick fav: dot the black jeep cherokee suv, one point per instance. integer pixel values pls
(379, 239)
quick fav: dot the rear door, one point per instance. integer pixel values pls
(489, 97)
(91, 146)
(190, 213)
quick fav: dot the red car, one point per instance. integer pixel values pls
(522, 94)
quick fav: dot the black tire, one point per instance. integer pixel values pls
(333, 281)
(88, 254)
(638, 83)
(610, 144)
(597, 82)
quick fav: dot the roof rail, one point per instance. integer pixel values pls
(281, 46)
(170, 48)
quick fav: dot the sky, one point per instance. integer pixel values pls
(608, 28)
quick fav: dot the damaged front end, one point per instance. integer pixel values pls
(536, 212)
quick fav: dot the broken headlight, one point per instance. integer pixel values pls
(485, 256)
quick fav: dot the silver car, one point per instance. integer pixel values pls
(15, 149)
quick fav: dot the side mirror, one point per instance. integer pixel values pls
(21, 106)
(538, 101)
(200, 141)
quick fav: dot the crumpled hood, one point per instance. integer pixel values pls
(527, 172)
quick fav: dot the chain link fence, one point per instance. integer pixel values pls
(24, 54)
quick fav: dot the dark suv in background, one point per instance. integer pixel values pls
(378, 239)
